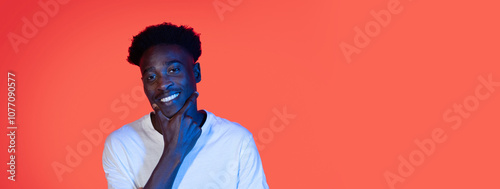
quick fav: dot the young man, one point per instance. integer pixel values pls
(177, 145)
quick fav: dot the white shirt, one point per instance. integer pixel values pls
(225, 156)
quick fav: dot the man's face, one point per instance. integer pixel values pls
(169, 75)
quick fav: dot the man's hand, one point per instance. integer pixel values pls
(180, 132)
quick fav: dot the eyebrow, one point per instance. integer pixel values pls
(167, 63)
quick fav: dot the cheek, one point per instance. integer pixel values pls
(186, 83)
(149, 91)
(180, 80)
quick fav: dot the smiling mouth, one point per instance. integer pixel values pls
(169, 98)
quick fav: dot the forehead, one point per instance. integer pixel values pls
(160, 54)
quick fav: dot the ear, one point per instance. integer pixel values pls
(197, 72)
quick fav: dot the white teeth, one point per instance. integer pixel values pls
(169, 98)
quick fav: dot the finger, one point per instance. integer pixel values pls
(159, 114)
(155, 107)
(184, 127)
(193, 125)
(195, 132)
(187, 120)
(189, 102)
(194, 129)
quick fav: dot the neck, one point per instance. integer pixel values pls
(199, 116)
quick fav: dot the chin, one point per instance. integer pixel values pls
(170, 111)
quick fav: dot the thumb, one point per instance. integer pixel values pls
(159, 114)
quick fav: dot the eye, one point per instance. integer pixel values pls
(174, 70)
(150, 77)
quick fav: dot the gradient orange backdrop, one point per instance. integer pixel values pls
(354, 119)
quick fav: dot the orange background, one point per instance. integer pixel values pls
(353, 120)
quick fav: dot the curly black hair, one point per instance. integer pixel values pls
(165, 33)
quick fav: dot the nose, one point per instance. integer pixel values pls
(164, 83)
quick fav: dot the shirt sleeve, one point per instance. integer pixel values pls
(251, 174)
(114, 169)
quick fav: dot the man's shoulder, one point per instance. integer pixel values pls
(225, 127)
(127, 131)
